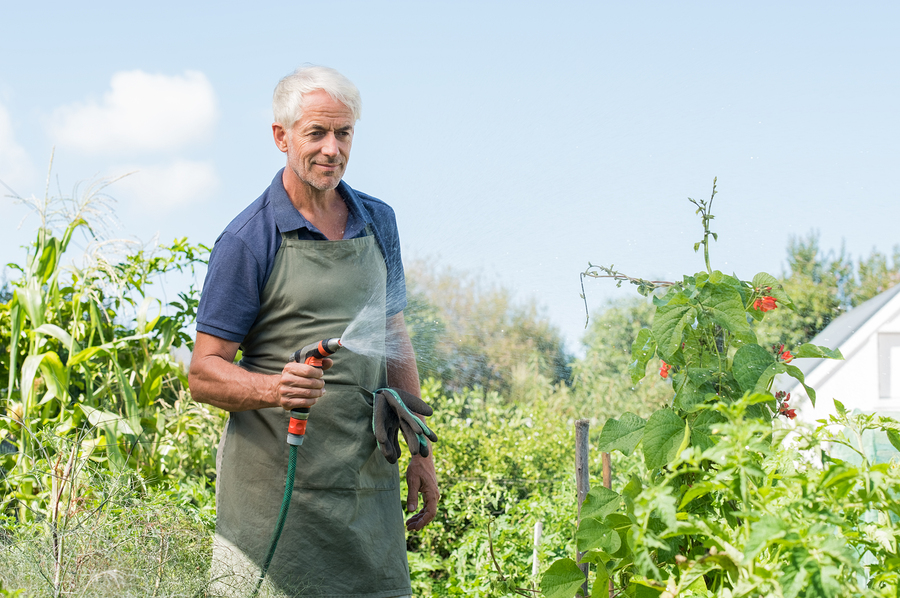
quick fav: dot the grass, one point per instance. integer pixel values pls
(125, 543)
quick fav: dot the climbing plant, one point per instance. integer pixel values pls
(724, 506)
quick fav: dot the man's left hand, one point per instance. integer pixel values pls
(421, 479)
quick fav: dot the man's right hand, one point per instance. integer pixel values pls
(215, 379)
(301, 385)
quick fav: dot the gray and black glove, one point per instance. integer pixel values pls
(394, 411)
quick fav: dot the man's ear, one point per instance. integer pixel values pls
(281, 137)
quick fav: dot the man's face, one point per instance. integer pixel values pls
(318, 145)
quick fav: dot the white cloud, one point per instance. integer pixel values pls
(15, 165)
(166, 188)
(140, 112)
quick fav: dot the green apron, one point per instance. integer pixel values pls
(344, 535)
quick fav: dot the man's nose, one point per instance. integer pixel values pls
(330, 146)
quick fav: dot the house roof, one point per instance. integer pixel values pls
(845, 326)
(837, 334)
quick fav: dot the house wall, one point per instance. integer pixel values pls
(869, 377)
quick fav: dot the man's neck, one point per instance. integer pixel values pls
(326, 209)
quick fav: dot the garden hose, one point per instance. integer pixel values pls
(310, 355)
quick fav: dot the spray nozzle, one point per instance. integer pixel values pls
(314, 353)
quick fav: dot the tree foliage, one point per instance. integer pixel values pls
(824, 285)
(468, 335)
(601, 380)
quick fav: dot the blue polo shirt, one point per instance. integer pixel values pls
(244, 255)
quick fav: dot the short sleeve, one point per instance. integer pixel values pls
(396, 280)
(230, 300)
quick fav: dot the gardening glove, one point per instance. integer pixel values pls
(394, 411)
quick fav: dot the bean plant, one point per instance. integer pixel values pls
(734, 499)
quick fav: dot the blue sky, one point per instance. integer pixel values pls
(515, 140)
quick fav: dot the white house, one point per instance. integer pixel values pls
(868, 378)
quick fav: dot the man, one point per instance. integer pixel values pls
(295, 267)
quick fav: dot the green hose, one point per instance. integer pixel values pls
(282, 517)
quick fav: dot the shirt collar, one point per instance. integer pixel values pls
(288, 218)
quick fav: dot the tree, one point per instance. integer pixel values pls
(823, 286)
(467, 334)
(601, 381)
(875, 276)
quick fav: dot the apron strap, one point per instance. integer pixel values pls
(286, 234)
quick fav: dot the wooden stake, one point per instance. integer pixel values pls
(582, 482)
(535, 565)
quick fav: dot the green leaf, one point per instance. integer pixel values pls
(664, 434)
(692, 387)
(810, 350)
(152, 385)
(669, 323)
(894, 438)
(839, 407)
(622, 434)
(701, 429)
(83, 355)
(697, 490)
(642, 350)
(59, 334)
(763, 280)
(646, 588)
(768, 374)
(32, 300)
(600, 502)
(104, 419)
(706, 564)
(48, 261)
(795, 372)
(763, 531)
(593, 534)
(723, 303)
(112, 426)
(562, 580)
(56, 376)
(26, 382)
(748, 365)
(596, 557)
(129, 399)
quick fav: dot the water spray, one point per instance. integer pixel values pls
(311, 354)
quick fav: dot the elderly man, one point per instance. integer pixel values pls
(298, 265)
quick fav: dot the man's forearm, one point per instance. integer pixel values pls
(215, 379)
(230, 387)
(402, 371)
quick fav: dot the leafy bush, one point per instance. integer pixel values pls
(502, 466)
(759, 512)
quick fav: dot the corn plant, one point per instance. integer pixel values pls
(87, 353)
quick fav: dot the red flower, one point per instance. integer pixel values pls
(787, 357)
(788, 413)
(765, 304)
(785, 409)
(664, 369)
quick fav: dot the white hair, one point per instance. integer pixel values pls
(287, 101)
